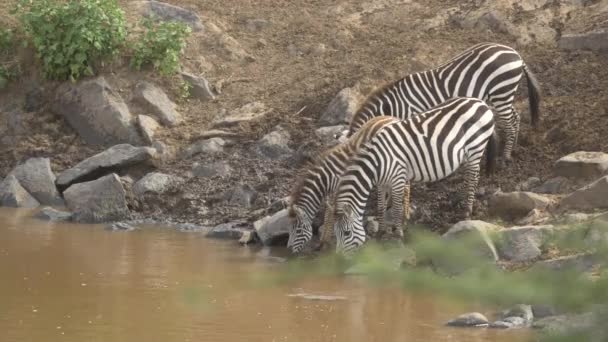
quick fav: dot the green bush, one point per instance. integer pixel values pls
(8, 64)
(160, 45)
(71, 36)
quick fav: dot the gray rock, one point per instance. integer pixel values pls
(250, 112)
(53, 215)
(523, 243)
(247, 237)
(594, 40)
(472, 319)
(510, 323)
(579, 263)
(582, 165)
(523, 311)
(597, 235)
(120, 227)
(34, 99)
(155, 100)
(147, 127)
(479, 232)
(156, 183)
(542, 311)
(36, 176)
(513, 205)
(500, 325)
(230, 231)
(272, 229)
(529, 184)
(96, 112)
(341, 109)
(221, 169)
(592, 196)
(330, 135)
(533, 218)
(169, 12)
(241, 195)
(97, 201)
(208, 146)
(200, 87)
(565, 324)
(555, 185)
(274, 145)
(216, 133)
(12, 194)
(114, 159)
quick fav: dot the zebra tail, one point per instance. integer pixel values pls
(533, 96)
(492, 153)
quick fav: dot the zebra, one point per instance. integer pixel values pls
(318, 182)
(428, 147)
(487, 71)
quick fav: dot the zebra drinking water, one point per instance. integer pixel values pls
(425, 148)
(487, 71)
(316, 185)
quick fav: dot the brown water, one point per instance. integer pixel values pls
(74, 283)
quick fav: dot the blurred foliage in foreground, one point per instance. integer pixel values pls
(454, 269)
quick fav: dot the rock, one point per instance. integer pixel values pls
(594, 40)
(96, 112)
(542, 311)
(580, 263)
(273, 230)
(500, 325)
(278, 205)
(34, 100)
(120, 227)
(479, 231)
(169, 12)
(147, 127)
(529, 184)
(575, 218)
(156, 101)
(274, 145)
(329, 135)
(114, 159)
(241, 195)
(510, 323)
(534, 217)
(313, 297)
(221, 169)
(523, 243)
(97, 201)
(247, 237)
(512, 205)
(250, 112)
(216, 133)
(156, 183)
(597, 235)
(591, 196)
(12, 194)
(582, 165)
(341, 109)
(523, 311)
(565, 324)
(208, 146)
(472, 319)
(230, 231)
(53, 215)
(36, 176)
(555, 185)
(200, 87)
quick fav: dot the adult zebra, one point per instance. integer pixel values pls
(428, 147)
(487, 71)
(316, 185)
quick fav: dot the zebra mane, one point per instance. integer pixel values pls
(368, 99)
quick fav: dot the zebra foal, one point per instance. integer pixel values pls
(425, 148)
(487, 71)
(316, 185)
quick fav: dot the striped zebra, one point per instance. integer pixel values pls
(316, 184)
(487, 71)
(428, 147)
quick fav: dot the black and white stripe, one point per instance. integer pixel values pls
(487, 71)
(428, 147)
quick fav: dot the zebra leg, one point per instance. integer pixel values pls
(381, 209)
(406, 203)
(397, 210)
(471, 178)
(516, 121)
(327, 227)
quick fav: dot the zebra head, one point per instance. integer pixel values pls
(300, 230)
(349, 231)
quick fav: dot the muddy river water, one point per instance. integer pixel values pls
(75, 283)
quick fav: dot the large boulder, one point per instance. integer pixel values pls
(272, 230)
(478, 233)
(156, 183)
(169, 12)
(12, 194)
(517, 204)
(594, 195)
(471, 319)
(97, 201)
(594, 40)
(147, 126)
(555, 185)
(200, 87)
(114, 159)
(96, 112)
(154, 99)
(36, 176)
(341, 109)
(523, 243)
(582, 165)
